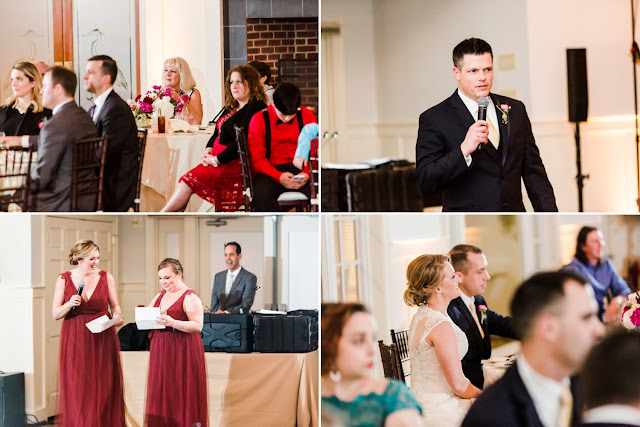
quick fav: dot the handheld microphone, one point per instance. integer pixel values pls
(483, 104)
(80, 288)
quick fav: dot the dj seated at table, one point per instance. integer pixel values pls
(233, 289)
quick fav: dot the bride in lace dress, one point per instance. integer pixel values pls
(436, 344)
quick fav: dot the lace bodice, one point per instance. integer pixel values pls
(427, 377)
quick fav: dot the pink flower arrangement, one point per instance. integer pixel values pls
(483, 312)
(631, 312)
(161, 102)
(505, 109)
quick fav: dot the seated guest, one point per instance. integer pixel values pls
(600, 273)
(610, 384)
(177, 75)
(218, 178)
(265, 76)
(273, 140)
(52, 174)
(351, 395)
(22, 113)
(113, 117)
(42, 67)
(466, 311)
(556, 318)
(234, 289)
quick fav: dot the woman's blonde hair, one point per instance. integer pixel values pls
(424, 274)
(81, 250)
(187, 82)
(251, 78)
(32, 73)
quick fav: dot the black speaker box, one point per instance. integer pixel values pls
(12, 410)
(295, 332)
(230, 333)
(577, 85)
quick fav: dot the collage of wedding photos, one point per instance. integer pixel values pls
(305, 213)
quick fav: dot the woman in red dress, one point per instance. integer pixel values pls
(217, 179)
(90, 375)
(177, 378)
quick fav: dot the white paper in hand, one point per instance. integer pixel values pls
(146, 318)
(102, 323)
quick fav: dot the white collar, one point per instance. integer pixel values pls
(623, 414)
(99, 101)
(544, 391)
(57, 107)
(472, 106)
(234, 273)
(467, 299)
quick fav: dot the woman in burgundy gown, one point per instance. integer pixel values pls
(177, 378)
(217, 179)
(90, 375)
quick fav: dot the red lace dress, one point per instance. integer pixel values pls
(221, 186)
(90, 374)
(177, 378)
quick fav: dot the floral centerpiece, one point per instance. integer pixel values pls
(631, 312)
(158, 102)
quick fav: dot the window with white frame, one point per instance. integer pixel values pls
(343, 257)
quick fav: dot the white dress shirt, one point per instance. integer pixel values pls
(467, 299)
(544, 392)
(229, 283)
(99, 102)
(472, 106)
(622, 414)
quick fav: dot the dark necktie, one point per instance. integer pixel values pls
(92, 110)
(279, 122)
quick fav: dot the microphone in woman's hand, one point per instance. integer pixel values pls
(80, 288)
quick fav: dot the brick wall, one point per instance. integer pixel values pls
(272, 39)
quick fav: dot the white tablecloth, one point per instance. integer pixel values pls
(501, 358)
(166, 158)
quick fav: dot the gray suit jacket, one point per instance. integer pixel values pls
(52, 174)
(241, 295)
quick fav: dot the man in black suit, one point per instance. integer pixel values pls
(557, 319)
(452, 153)
(234, 289)
(470, 312)
(609, 380)
(113, 117)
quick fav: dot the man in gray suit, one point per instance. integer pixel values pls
(233, 289)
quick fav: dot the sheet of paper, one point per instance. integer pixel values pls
(102, 323)
(146, 318)
(264, 311)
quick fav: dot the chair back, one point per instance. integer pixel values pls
(401, 339)
(88, 169)
(314, 168)
(245, 167)
(15, 176)
(142, 143)
(390, 361)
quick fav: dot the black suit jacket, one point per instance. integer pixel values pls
(493, 181)
(508, 403)
(241, 295)
(52, 174)
(121, 165)
(479, 348)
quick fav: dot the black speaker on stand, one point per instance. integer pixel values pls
(578, 106)
(635, 59)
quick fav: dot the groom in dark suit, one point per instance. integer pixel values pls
(479, 164)
(233, 289)
(469, 311)
(557, 318)
(113, 117)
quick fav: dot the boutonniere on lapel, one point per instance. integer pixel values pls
(42, 123)
(483, 312)
(504, 109)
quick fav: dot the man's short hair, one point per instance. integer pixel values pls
(262, 69)
(539, 294)
(611, 371)
(109, 66)
(237, 245)
(470, 46)
(459, 259)
(287, 98)
(64, 77)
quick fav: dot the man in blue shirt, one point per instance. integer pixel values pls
(599, 273)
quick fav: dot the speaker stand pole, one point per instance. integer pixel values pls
(635, 97)
(579, 177)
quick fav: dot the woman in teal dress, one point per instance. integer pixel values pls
(351, 395)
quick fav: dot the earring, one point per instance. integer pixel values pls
(335, 375)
